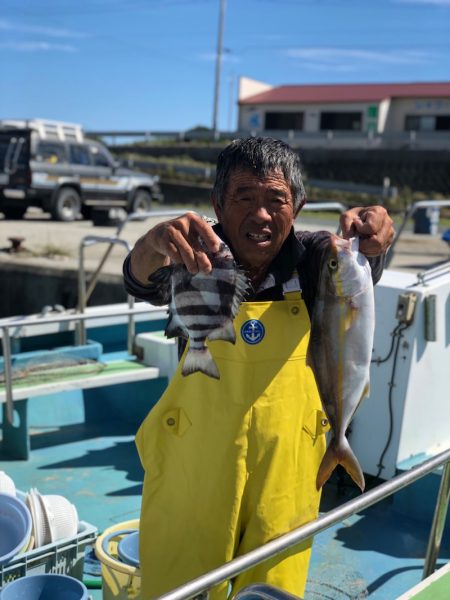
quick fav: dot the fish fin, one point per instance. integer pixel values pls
(225, 333)
(350, 317)
(328, 464)
(366, 391)
(340, 454)
(200, 360)
(242, 284)
(174, 328)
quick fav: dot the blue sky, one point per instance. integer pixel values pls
(150, 64)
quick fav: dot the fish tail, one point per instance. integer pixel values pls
(200, 360)
(340, 453)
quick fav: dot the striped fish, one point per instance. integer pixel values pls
(203, 307)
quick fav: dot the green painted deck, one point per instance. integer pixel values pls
(434, 587)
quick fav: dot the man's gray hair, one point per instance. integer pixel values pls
(261, 156)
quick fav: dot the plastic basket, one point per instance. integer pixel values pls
(65, 557)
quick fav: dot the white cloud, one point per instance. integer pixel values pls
(343, 58)
(6, 25)
(326, 67)
(37, 47)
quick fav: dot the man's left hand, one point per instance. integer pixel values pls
(372, 224)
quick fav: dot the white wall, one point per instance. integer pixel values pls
(414, 106)
(251, 87)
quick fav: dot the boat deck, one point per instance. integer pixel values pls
(378, 553)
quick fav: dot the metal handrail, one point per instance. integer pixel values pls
(144, 215)
(6, 344)
(7, 324)
(11, 322)
(437, 527)
(91, 240)
(136, 216)
(412, 209)
(423, 277)
(316, 206)
(242, 563)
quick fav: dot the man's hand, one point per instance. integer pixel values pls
(372, 224)
(176, 241)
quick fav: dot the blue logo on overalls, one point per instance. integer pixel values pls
(252, 331)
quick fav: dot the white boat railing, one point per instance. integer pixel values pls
(16, 323)
(409, 213)
(83, 294)
(201, 585)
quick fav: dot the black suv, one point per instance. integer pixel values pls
(52, 165)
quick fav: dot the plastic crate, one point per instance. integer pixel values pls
(64, 556)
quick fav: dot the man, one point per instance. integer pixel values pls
(231, 464)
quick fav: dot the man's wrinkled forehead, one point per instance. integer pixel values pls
(259, 177)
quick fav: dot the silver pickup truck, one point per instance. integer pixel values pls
(52, 165)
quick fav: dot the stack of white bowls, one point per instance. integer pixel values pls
(54, 517)
(62, 516)
(7, 485)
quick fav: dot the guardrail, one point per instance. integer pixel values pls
(238, 565)
(431, 140)
(14, 323)
(83, 294)
(410, 212)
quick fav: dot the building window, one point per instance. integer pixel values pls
(443, 123)
(284, 120)
(343, 121)
(427, 123)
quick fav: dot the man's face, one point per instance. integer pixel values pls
(256, 216)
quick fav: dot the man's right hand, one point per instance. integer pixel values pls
(176, 241)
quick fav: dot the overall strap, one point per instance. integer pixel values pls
(291, 288)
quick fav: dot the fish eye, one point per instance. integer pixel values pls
(333, 264)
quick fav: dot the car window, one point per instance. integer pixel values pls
(99, 158)
(50, 153)
(79, 155)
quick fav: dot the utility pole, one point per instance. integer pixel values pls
(218, 70)
(231, 104)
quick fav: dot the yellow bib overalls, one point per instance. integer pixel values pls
(231, 464)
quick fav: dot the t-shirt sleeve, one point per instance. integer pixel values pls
(157, 292)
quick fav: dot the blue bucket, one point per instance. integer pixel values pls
(45, 587)
(128, 549)
(15, 527)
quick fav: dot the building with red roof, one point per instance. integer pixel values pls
(350, 113)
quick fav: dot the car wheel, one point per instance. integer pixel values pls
(142, 202)
(13, 212)
(66, 205)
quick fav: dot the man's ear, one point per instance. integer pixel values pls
(216, 206)
(301, 205)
